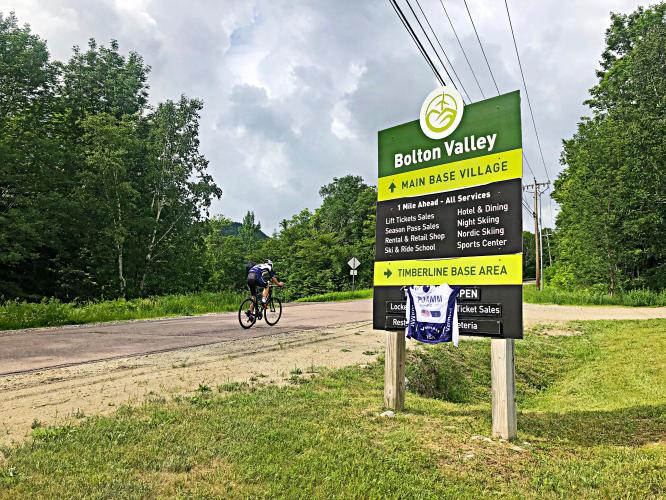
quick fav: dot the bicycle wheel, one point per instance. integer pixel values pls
(273, 311)
(245, 317)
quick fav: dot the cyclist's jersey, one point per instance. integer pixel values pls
(432, 314)
(262, 273)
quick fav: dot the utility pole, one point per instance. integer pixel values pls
(538, 188)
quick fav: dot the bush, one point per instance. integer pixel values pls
(449, 373)
(595, 295)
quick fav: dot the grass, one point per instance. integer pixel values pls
(592, 424)
(335, 296)
(552, 295)
(14, 315)
(51, 312)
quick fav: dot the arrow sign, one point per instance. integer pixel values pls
(388, 273)
(392, 187)
(354, 263)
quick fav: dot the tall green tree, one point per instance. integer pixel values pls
(110, 147)
(100, 194)
(178, 187)
(249, 232)
(612, 224)
(225, 257)
(97, 81)
(29, 170)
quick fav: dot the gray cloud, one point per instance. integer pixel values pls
(295, 92)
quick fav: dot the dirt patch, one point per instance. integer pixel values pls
(67, 394)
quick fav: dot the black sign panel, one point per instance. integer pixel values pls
(467, 222)
(482, 320)
(483, 310)
(396, 322)
(480, 327)
(393, 307)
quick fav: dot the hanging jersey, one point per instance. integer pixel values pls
(432, 314)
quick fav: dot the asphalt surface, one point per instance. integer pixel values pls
(37, 349)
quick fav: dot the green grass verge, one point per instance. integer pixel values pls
(551, 295)
(335, 296)
(16, 315)
(592, 424)
(52, 312)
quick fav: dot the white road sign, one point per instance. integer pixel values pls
(354, 263)
(353, 272)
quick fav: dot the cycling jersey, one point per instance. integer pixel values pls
(432, 315)
(262, 273)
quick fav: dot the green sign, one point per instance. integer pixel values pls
(486, 128)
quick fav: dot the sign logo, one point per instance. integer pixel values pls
(441, 112)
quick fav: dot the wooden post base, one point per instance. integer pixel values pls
(394, 371)
(503, 388)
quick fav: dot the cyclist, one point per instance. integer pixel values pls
(261, 275)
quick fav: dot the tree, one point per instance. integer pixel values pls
(612, 224)
(225, 257)
(96, 82)
(110, 148)
(311, 250)
(248, 233)
(29, 173)
(100, 195)
(177, 183)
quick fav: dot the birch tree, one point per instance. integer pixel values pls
(110, 145)
(177, 182)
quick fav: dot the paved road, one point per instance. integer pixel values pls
(47, 348)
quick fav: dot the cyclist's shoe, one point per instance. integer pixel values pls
(249, 314)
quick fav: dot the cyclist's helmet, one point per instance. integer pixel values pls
(270, 263)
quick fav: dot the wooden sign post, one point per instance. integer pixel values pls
(503, 383)
(394, 371)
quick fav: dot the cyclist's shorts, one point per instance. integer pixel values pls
(253, 281)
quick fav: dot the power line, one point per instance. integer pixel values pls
(478, 39)
(550, 197)
(529, 210)
(528, 164)
(469, 64)
(443, 51)
(529, 103)
(481, 45)
(424, 53)
(538, 191)
(431, 45)
(409, 29)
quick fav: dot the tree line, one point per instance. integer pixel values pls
(103, 195)
(310, 250)
(611, 229)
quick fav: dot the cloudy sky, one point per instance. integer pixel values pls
(295, 91)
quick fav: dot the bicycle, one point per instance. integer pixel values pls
(271, 310)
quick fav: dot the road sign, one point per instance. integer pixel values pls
(449, 210)
(353, 272)
(354, 263)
